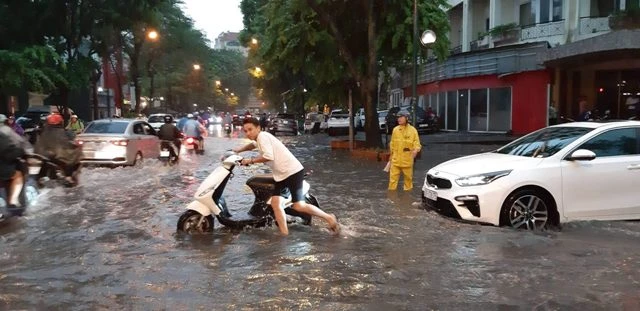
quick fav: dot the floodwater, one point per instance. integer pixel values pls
(112, 244)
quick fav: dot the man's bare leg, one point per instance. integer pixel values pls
(15, 187)
(281, 218)
(313, 210)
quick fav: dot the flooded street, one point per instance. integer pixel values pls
(112, 244)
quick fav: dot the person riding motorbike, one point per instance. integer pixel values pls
(75, 125)
(193, 128)
(12, 168)
(169, 132)
(11, 122)
(56, 144)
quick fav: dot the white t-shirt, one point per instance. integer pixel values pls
(282, 162)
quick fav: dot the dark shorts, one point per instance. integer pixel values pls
(294, 184)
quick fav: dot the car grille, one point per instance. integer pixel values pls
(439, 183)
(441, 206)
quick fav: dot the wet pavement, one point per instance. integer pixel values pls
(112, 244)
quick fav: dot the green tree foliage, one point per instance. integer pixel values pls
(333, 46)
(58, 46)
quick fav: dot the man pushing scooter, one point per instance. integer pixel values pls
(288, 172)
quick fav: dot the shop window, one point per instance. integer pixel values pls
(478, 115)
(433, 101)
(463, 110)
(442, 108)
(452, 108)
(500, 109)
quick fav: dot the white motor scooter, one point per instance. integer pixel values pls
(208, 201)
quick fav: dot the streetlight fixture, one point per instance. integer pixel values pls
(226, 89)
(232, 94)
(218, 82)
(152, 35)
(196, 66)
(258, 69)
(428, 37)
(254, 41)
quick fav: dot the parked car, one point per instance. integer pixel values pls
(359, 119)
(382, 119)
(314, 123)
(118, 142)
(425, 121)
(157, 120)
(283, 123)
(338, 123)
(566, 172)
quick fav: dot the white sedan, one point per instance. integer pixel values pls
(574, 171)
(118, 142)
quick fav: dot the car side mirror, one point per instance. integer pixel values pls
(582, 155)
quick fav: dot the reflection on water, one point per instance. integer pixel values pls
(111, 244)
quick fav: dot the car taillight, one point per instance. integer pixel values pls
(235, 115)
(189, 140)
(120, 142)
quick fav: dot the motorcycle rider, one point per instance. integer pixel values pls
(56, 144)
(288, 172)
(12, 169)
(11, 122)
(193, 128)
(169, 132)
(75, 125)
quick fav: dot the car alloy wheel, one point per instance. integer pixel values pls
(528, 211)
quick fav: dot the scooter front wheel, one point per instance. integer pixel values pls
(191, 222)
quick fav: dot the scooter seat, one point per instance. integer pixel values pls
(262, 180)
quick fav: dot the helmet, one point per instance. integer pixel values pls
(54, 119)
(190, 116)
(403, 114)
(168, 119)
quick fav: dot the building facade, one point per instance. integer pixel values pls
(511, 59)
(229, 41)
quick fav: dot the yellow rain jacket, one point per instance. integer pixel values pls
(404, 140)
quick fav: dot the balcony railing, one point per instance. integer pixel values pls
(455, 50)
(479, 44)
(542, 30)
(593, 24)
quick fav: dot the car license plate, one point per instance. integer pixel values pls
(164, 154)
(101, 155)
(423, 125)
(430, 194)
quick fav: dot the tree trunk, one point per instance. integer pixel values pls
(369, 83)
(135, 73)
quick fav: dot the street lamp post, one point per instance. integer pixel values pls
(427, 37)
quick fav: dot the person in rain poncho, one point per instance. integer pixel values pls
(404, 146)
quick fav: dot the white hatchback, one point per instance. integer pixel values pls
(574, 171)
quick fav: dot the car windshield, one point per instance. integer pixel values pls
(106, 128)
(382, 114)
(545, 142)
(340, 116)
(156, 119)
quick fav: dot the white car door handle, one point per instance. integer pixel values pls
(633, 167)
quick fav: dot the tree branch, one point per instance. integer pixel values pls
(340, 40)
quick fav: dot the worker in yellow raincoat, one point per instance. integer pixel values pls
(405, 145)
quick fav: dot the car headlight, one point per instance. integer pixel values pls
(481, 179)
